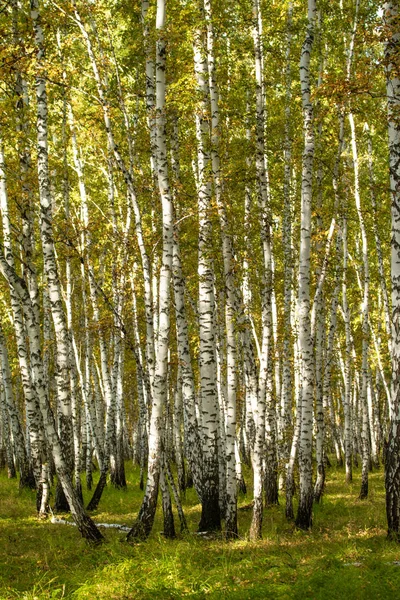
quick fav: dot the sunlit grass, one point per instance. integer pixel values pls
(346, 555)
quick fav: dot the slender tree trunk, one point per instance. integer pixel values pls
(392, 475)
(28, 478)
(378, 244)
(101, 90)
(145, 519)
(365, 318)
(62, 374)
(62, 463)
(210, 516)
(15, 420)
(304, 514)
(191, 425)
(35, 437)
(85, 525)
(290, 486)
(264, 395)
(348, 446)
(230, 288)
(178, 445)
(9, 454)
(287, 380)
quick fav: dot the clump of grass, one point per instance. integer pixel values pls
(346, 553)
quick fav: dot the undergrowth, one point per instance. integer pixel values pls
(346, 555)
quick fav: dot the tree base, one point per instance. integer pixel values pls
(304, 512)
(319, 484)
(60, 503)
(27, 480)
(210, 514)
(94, 502)
(256, 523)
(364, 489)
(241, 486)
(392, 483)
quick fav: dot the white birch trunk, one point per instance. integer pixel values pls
(365, 316)
(249, 359)
(36, 440)
(304, 514)
(263, 205)
(15, 419)
(287, 382)
(86, 526)
(50, 264)
(132, 195)
(289, 512)
(230, 289)
(34, 426)
(379, 254)
(192, 435)
(348, 450)
(7, 436)
(143, 400)
(145, 518)
(392, 477)
(210, 517)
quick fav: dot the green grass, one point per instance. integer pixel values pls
(40, 560)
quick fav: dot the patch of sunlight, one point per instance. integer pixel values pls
(196, 508)
(333, 497)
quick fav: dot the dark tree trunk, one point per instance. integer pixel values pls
(169, 525)
(304, 512)
(392, 483)
(145, 519)
(210, 511)
(94, 502)
(271, 486)
(27, 479)
(60, 503)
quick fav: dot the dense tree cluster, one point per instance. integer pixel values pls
(195, 250)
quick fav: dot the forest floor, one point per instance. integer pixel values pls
(345, 556)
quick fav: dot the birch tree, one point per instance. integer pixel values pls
(145, 518)
(210, 517)
(304, 514)
(392, 481)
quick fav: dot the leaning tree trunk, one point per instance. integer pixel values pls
(28, 478)
(85, 525)
(75, 404)
(127, 175)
